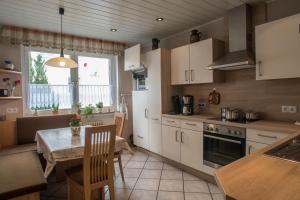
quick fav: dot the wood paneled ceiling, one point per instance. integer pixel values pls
(134, 19)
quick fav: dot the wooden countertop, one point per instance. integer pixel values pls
(20, 174)
(261, 177)
(267, 125)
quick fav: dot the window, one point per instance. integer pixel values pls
(46, 86)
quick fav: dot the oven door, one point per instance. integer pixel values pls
(220, 150)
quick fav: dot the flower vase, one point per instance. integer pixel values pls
(11, 91)
(75, 130)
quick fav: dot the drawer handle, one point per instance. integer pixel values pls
(140, 137)
(267, 136)
(189, 124)
(176, 136)
(170, 121)
(181, 137)
(155, 119)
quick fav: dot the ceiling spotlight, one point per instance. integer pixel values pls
(159, 19)
(113, 30)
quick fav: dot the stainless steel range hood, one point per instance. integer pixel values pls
(240, 54)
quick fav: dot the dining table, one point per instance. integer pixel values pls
(60, 144)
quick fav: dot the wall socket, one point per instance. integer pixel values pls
(289, 109)
(11, 110)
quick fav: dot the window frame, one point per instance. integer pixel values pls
(25, 50)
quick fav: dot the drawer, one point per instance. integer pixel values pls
(171, 122)
(265, 137)
(192, 125)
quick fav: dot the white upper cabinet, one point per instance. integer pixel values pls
(132, 58)
(189, 63)
(180, 63)
(277, 49)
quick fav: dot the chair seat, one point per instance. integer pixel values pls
(18, 149)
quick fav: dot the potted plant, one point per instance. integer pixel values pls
(88, 110)
(55, 108)
(99, 106)
(75, 123)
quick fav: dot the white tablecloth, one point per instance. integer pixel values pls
(60, 145)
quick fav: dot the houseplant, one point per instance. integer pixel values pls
(88, 110)
(55, 108)
(75, 123)
(99, 106)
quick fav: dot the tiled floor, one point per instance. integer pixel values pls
(147, 178)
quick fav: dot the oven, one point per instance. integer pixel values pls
(222, 144)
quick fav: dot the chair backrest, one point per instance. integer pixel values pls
(119, 122)
(98, 162)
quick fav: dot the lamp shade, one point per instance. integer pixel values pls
(61, 62)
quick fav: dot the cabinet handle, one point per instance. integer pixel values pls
(140, 137)
(176, 136)
(249, 149)
(146, 113)
(156, 119)
(181, 137)
(267, 136)
(192, 79)
(189, 124)
(186, 75)
(171, 121)
(259, 68)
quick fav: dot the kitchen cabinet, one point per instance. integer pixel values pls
(183, 141)
(277, 49)
(180, 64)
(189, 63)
(171, 142)
(140, 118)
(155, 137)
(132, 58)
(192, 148)
(253, 146)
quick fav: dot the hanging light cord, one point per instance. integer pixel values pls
(61, 12)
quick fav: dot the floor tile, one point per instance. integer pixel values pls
(197, 196)
(129, 183)
(214, 189)
(153, 159)
(135, 164)
(153, 165)
(169, 167)
(190, 177)
(147, 184)
(162, 195)
(126, 157)
(143, 195)
(171, 185)
(141, 158)
(196, 186)
(120, 194)
(151, 173)
(218, 197)
(131, 173)
(171, 174)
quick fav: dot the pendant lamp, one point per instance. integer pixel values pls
(61, 61)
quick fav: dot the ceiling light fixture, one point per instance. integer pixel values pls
(61, 61)
(113, 30)
(159, 19)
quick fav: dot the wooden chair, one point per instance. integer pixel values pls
(98, 165)
(119, 122)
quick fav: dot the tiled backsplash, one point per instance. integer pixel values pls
(241, 90)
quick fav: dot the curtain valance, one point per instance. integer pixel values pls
(30, 37)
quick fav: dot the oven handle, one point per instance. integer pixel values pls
(223, 139)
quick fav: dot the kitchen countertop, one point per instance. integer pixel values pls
(267, 125)
(259, 177)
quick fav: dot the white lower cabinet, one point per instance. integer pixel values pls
(253, 146)
(181, 144)
(171, 142)
(192, 148)
(155, 138)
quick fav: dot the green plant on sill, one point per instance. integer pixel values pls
(99, 104)
(88, 110)
(55, 107)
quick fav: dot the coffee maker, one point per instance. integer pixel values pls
(187, 102)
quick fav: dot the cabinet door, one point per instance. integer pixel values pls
(132, 58)
(140, 120)
(192, 148)
(155, 136)
(152, 61)
(253, 146)
(180, 65)
(277, 49)
(171, 142)
(201, 56)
